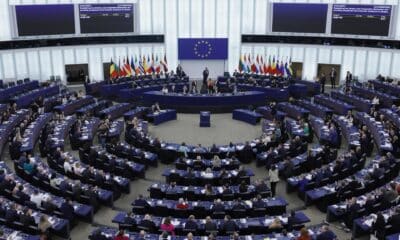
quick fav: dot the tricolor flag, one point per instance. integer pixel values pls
(133, 68)
(127, 68)
(141, 66)
(241, 66)
(121, 72)
(158, 65)
(113, 70)
(261, 65)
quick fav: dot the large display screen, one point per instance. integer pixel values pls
(106, 18)
(33, 20)
(299, 17)
(361, 19)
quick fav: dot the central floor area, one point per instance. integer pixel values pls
(223, 130)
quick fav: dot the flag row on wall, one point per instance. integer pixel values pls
(141, 65)
(249, 64)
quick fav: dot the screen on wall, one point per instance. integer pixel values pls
(361, 19)
(299, 17)
(33, 20)
(106, 18)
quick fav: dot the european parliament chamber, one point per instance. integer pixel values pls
(199, 119)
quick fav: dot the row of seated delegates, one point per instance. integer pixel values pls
(12, 212)
(216, 163)
(393, 131)
(193, 89)
(16, 143)
(5, 115)
(324, 234)
(380, 223)
(387, 79)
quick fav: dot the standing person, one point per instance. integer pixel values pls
(322, 81)
(273, 179)
(332, 75)
(349, 78)
(205, 76)
(179, 71)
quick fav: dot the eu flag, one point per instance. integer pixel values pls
(202, 48)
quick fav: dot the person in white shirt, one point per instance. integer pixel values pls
(375, 101)
(164, 90)
(273, 175)
(208, 173)
(36, 198)
(67, 166)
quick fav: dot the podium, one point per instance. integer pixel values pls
(205, 119)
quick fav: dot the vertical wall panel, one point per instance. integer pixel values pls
(222, 18)
(359, 64)
(196, 20)
(158, 16)
(261, 17)
(297, 54)
(5, 30)
(209, 18)
(184, 18)
(395, 63)
(8, 65)
(95, 64)
(310, 63)
(58, 63)
(107, 54)
(348, 62)
(247, 16)
(81, 55)
(385, 59)
(372, 63)
(234, 35)
(69, 56)
(45, 65)
(20, 62)
(336, 56)
(171, 32)
(145, 16)
(34, 66)
(324, 55)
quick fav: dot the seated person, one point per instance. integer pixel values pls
(326, 234)
(258, 202)
(182, 204)
(147, 223)
(168, 226)
(276, 224)
(155, 108)
(218, 206)
(208, 173)
(229, 225)
(191, 223)
(210, 225)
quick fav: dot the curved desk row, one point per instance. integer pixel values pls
(205, 102)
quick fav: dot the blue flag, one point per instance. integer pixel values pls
(203, 48)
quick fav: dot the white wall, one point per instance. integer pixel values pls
(195, 18)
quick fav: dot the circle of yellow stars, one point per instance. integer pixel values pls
(202, 54)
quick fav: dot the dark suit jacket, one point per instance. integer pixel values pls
(27, 220)
(327, 235)
(148, 224)
(229, 226)
(395, 221)
(210, 226)
(67, 210)
(11, 215)
(191, 225)
(218, 208)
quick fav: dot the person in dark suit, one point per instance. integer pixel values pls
(349, 78)
(258, 202)
(191, 223)
(394, 220)
(352, 209)
(141, 202)
(147, 223)
(292, 220)
(97, 235)
(130, 219)
(49, 206)
(378, 227)
(229, 225)
(11, 214)
(326, 234)
(218, 206)
(67, 210)
(206, 73)
(226, 190)
(238, 205)
(21, 194)
(332, 76)
(26, 218)
(322, 81)
(210, 225)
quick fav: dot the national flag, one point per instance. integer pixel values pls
(127, 68)
(145, 67)
(261, 65)
(165, 63)
(241, 64)
(254, 67)
(121, 72)
(148, 65)
(133, 68)
(113, 70)
(273, 66)
(153, 68)
(141, 66)
(288, 68)
(158, 65)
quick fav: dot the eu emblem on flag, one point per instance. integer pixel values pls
(203, 48)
